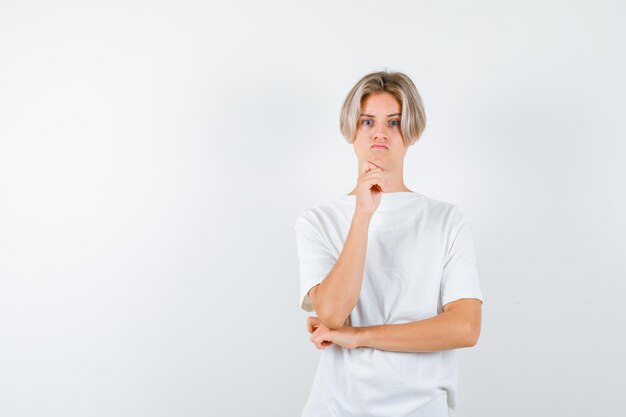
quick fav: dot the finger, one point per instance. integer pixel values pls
(371, 171)
(375, 166)
(316, 338)
(375, 180)
(319, 340)
(321, 345)
(375, 177)
(315, 344)
(375, 173)
(312, 323)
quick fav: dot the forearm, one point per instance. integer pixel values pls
(444, 331)
(339, 292)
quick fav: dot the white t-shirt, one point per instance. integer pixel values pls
(420, 256)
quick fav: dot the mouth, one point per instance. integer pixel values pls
(379, 147)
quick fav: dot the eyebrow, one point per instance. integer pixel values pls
(371, 115)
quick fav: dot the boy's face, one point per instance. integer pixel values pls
(378, 136)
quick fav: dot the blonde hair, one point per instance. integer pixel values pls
(413, 120)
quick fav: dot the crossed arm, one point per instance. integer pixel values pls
(458, 326)
(334, 298)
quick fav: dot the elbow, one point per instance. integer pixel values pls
(332, 321)
(472, 341)
(472, 336)
(330, 317)
(336, 325)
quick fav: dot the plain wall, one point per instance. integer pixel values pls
(155, 155)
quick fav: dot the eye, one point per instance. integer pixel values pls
(364, 121)
(394, 122)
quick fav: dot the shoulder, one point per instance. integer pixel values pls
(315, 216)
(443, 211)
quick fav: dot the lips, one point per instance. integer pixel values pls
(379, 147)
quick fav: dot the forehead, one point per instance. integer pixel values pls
(380, 103)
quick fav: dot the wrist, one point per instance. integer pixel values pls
(361, 336)
(361, 218)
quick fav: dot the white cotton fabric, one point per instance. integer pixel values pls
(420, 256)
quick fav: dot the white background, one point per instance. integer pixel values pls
(155, 155)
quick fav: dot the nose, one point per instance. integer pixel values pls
(380, 134)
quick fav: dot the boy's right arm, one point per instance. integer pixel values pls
(335, 297)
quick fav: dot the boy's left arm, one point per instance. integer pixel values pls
(458, 326)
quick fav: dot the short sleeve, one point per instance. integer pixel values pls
(460, 276)
(315, 258)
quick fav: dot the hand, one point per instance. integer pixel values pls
(370, 184)
(322, 336)
(312, 324)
